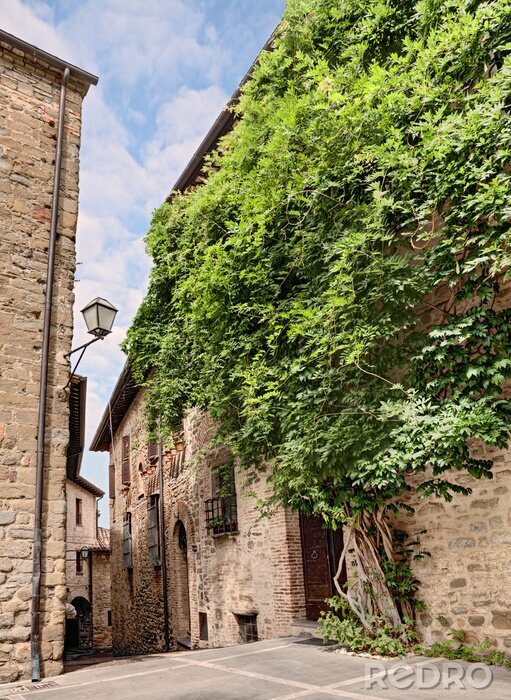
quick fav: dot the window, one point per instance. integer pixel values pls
(111, 481)
(221, 510)
(247, 627)
(126, 459)
(79, 563)
(109, 618)
(126, 541)
(152, 451)
(78, 510)
(153, 531)
(203, 627)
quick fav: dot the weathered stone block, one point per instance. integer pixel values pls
(7, 517)
(501, 619)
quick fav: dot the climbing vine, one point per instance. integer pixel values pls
(333, 296)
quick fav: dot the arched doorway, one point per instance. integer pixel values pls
(79, 628)
(182, 619)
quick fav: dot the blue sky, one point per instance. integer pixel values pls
(166, 68)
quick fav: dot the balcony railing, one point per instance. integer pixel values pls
(221, 515)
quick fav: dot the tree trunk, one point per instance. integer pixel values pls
(366, 591)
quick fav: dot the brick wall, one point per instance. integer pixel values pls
(29, 99)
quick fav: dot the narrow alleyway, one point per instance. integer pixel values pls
(280, 669)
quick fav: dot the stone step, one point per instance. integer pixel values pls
(306, 628)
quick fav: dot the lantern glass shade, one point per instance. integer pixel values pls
(84, 552)
(99, 317)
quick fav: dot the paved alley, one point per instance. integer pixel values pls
(280, 669)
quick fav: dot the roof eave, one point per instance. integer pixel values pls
(50, 59)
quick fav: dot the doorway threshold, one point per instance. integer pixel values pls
(185, 643)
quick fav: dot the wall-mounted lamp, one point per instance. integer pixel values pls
(84, 552)
(99, 316)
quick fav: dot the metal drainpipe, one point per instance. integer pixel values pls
(163, 547)
(43, 386)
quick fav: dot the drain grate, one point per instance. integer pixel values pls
(21, 689)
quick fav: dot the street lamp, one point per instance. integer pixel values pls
(99, 316)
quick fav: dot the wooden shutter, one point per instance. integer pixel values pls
(111, 480)
(126, 460)
(153, 531)
(152, 451)
(126, 541)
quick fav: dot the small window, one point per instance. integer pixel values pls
(126, 541)
(126, 476)
(153, 530)
(79, 563)
(247, 627)
(109, 618)
(78, 510)
(203, 627)
(221, 509)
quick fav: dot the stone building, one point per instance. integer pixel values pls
(88, 581)
(214, 573)
(34, 342)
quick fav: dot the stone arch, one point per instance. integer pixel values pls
(79, 628)
(182, 513)
(182, 579)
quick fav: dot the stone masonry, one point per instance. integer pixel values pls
(29, 101)
(256, 570)
(466, 580)
(83, 532)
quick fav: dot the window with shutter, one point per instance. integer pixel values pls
(153, 531)
(126, 541)
(126, 460)
(111, 481)
(152, 451)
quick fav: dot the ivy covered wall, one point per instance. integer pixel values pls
(366, 187)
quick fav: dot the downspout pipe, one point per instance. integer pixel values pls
(43, 389)
(163, 547)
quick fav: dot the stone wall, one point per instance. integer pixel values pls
(137, 598)
(79, 536)
(466, 582)
(29, 100)
(257, 570)
(79, 584)
(101, 601)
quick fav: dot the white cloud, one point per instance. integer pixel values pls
(182, 122)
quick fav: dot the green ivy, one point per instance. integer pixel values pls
(291, 296)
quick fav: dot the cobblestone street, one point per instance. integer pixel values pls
(282, 669)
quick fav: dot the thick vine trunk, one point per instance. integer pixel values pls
(366, 591)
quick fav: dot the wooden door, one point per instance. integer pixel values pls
(320, 550)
